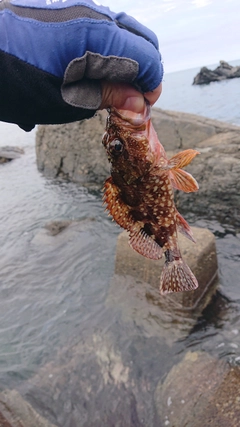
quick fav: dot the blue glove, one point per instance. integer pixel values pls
(53, 54)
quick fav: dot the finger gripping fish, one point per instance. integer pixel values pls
(139, 194)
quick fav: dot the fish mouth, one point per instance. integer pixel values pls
(134, 119)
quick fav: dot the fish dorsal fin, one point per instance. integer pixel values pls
(182, 180)
(182, 159)
(142, 243)
(183, 227)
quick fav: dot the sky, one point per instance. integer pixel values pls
(191, 33)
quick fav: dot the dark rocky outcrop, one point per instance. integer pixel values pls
(222, 72)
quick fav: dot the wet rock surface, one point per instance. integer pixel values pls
(222, 72)
(74, 152)
(10, 153)
(200, 391)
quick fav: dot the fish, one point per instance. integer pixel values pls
(139, 193)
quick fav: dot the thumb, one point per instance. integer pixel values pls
(121, 96)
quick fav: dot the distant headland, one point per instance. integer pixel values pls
(222, 72)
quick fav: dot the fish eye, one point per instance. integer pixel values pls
(116, 146)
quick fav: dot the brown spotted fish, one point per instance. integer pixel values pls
(139, 193)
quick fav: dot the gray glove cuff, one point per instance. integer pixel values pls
(81, 85)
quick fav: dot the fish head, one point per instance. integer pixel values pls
(130, 148)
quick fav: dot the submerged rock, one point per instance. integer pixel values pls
(57, 226)
(200, 391)
(135, 286)
(96, 384)
(10, 153)
(16, 412)
(57, 232)
(222, 72)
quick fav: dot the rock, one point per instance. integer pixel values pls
(94, 384)
(10, 153)
(74, 151)
(222, 72)
(57, 226)
(16, 412)
(56, 233)
(216, 170)
(201, 258)
(200, 391)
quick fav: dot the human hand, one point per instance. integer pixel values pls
(121, 65)
(71, 58)
(124, 97)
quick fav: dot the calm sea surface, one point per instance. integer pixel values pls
(51, 292)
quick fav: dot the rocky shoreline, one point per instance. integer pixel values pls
(74, 152)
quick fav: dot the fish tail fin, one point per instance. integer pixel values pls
(177, 277)
(182, 159)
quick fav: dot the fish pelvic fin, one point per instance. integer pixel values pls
(142, 243)
(182, 159)
(182, 180)
(183, 227)
(177, 277)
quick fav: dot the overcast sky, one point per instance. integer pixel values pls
(191, 33)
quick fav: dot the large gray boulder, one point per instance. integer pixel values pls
(73, 151)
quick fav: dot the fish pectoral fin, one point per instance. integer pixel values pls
(177, 277)
(142, 243)
(182, 180)
(119, 210)
(182, 159)
(183, 227)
